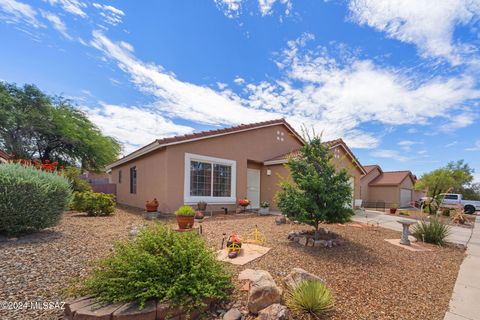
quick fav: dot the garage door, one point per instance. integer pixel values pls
(405, 198)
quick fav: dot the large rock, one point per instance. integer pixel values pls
(263, 290)
(273, 312)
(232, 314)
(298, 275)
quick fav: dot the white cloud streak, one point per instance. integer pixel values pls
(12, 11)
(74, 7)
(428, 24)
(390, 154)
(57, 23)
(133, 126)
(111, 15)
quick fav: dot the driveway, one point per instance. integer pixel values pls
(458, 235)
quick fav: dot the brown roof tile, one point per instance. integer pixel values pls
(205, 134)
(391, 178)
(328, 144)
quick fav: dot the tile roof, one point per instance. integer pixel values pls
(369, 168)
(391, 178)
(202, 135)
(241, 127)
(328, 144)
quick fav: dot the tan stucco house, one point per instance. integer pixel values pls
(391, 187)
(217, 166)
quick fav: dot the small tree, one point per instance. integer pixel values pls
(319, 193)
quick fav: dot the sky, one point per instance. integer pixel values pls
(398, 80)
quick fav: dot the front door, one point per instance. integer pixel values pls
(253, 187)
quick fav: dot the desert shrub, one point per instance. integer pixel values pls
(78, 184)
(160, 264)
(30, 199)
(446, 212)
(185, 211)
(311, 297)
(93, 203)
(432, 231)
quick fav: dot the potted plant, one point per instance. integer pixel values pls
(185, 217)
(393, 208)
(244, 203)
(264, 208)
(152, 206)
(202, 206)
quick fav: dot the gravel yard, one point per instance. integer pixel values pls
(370, 278)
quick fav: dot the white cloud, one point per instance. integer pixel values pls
(12, 11)
(266, 6)
(389, 154)
(407, 144)
(111, 15)
(239, 80)
(458, 121)
(476, 146)
(57, 23)
(74, 7)
(231, 8)
(133, 126)
(332, 97)
(451, 144)
(429, 24)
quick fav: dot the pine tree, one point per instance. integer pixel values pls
(318, 193)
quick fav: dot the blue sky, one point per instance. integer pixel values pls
(398, 80)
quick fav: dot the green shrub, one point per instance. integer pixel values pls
(30, 199)
(93, 203)
(160, 264)
(446, 212)
(432, 231)
(78, 184)
(185, 211)
(310, 296)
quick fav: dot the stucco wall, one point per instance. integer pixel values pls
(388, 194)
(161, 174)
(269, 184)
(151, 180)
(364, 181)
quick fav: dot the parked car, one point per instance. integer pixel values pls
(454, 199)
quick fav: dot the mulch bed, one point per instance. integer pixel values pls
(370, 278)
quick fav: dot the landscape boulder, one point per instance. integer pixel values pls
(275, 311)
(263, 290)
(298, 275)
(232, 314)
(281, 220)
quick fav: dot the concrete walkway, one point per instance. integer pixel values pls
(457, 235)
(464, 304)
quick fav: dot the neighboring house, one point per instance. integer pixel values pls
(5, 157)
(217, 166)
(391, 187)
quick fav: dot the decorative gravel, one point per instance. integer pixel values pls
(370, 278)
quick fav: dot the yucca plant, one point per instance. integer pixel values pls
(431, 231)
(310, 297)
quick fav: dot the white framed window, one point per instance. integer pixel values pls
(209, 179)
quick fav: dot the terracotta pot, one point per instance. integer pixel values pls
(151, 207)
(393, 210)
(199, 216)
(185, 222)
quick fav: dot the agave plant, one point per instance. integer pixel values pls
(431, 231)
(310, 297)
